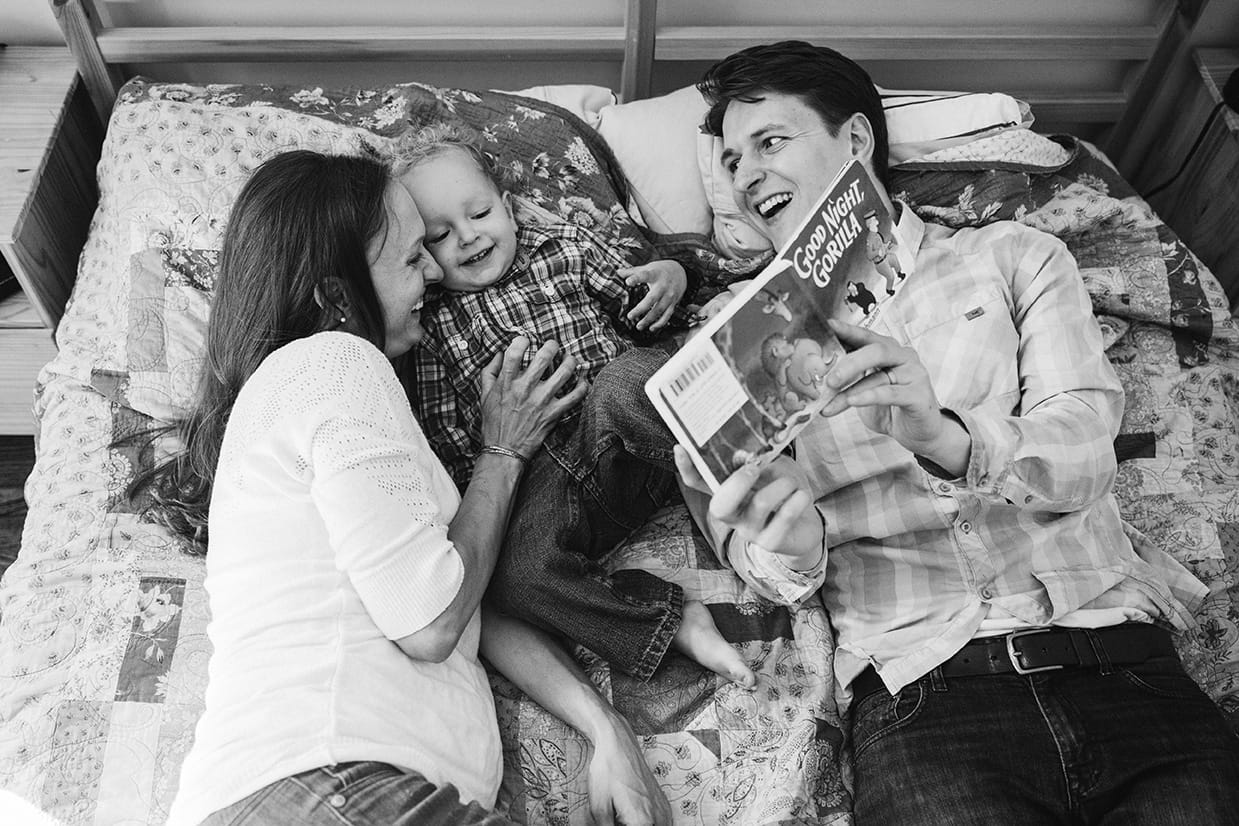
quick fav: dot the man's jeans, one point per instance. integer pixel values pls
(594, 482)
(354, 794)
(1137, 744)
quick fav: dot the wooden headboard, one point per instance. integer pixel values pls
(1103, 71)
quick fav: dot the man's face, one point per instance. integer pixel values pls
(781, 157)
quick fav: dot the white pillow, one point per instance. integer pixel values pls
(920, 123)
(655, 142)
(679, 184)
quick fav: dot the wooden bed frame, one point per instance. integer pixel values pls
(640, 43)
(90, 541)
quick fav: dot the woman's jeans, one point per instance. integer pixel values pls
(596, 480)
(1138, 744)
(354, 794)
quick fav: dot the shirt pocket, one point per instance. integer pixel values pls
(534, 310)
(970, 346)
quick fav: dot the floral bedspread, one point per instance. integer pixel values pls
(103, 649)
(1170, 337)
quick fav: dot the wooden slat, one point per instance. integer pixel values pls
(27, 347)
(296, 43)
(1216, 66)
(48, 152)
(1132, 136)
(79, 21)
(25, 353)
(638, 70)
(1200, 202)
(920, 42)
(16, 311)
(35, 84)
(1074, 107)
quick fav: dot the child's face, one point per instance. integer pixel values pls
(470, 230)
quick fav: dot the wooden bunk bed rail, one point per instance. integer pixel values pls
(640, 45)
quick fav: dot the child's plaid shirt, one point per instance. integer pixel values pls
(563, 286)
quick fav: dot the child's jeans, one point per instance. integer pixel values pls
(594, 483)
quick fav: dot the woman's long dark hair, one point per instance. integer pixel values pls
(303, 221)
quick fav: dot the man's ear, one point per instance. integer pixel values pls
(860, 135)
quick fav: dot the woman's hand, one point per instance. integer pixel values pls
(771, 506)
(666, 281)
(891, 391)
(621, 787)
(519, 407)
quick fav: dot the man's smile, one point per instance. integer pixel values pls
(767, 208)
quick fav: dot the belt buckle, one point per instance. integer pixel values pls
(1014, 656)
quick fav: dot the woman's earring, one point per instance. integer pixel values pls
(343, 320)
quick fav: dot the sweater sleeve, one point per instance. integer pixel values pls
(381, 495)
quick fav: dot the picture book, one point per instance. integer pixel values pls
(753, 376)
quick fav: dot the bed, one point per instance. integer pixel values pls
(103, 649)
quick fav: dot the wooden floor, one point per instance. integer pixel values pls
(16, 462)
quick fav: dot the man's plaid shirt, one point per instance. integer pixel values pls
(563, 286)
(1030, 535)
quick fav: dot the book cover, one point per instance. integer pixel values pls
(753, 376)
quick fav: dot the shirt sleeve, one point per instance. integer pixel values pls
(602, 279)
(769, 576)
(439, 410)
(760, 569)
(372, 486)
(1057, 453)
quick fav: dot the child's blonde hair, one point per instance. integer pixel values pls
(431, 141)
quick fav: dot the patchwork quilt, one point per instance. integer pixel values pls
(103, 649)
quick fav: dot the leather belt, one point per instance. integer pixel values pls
(1031, 650)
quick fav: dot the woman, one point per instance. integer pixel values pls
(345, 571)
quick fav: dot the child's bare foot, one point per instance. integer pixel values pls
(698, 638)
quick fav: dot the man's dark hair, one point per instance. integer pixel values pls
(834, 86)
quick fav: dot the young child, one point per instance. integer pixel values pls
(603, 471)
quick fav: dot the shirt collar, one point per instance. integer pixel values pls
(910, 232)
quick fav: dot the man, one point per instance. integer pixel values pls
(1002, 637)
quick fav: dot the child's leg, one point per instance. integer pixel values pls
(591, 487)
(548, 574)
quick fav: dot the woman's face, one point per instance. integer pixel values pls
(400, 269)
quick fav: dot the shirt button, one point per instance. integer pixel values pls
(337, 800)
(986, 593)
(943, 487)
(965, 526)
(1027, 499)
(549, 289)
